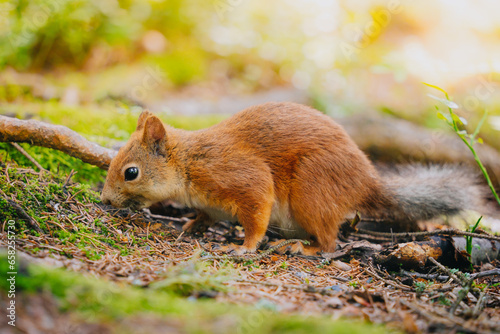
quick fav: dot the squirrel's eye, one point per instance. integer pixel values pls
(131, 173)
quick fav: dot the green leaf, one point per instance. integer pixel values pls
(480, 140)
(447, 102)
(457, 119)
(438, 88)
(473, 228)
(440, 115)
(444, 117)
(479, 125)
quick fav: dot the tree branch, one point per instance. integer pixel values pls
(57, 137)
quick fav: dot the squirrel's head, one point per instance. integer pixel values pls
(142, 172)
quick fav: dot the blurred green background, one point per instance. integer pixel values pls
(94, 65)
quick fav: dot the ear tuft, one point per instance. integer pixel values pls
(142, 119)
(155, 135)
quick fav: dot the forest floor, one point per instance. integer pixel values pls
(138, 273)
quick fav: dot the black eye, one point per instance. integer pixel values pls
(131, 173)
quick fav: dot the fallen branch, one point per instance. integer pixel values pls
(57, 137)
(410, 235)
(388, 139)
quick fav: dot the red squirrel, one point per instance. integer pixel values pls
(277, 165)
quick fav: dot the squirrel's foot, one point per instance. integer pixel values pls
(233, 249)
(296, 248)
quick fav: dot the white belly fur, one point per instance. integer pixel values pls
(283, 223)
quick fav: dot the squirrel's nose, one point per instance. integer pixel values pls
(105, 200)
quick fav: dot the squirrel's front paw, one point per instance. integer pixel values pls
(194, 226)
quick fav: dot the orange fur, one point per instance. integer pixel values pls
(279, 165)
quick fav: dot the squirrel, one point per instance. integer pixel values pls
(281, 166)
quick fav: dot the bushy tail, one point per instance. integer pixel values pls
(421, 192)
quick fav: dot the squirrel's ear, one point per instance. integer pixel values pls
(155, 135)
(142, 119)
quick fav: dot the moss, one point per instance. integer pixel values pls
(6, 211)
(192, 277)
(54, 161)
(45, 199)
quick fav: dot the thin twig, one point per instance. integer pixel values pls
(481, 302)
(305, 288)
(462, 293)
(73, 172)
(28, 156)
(179, 220)
(370, 271)
(448, 271)
(444, 278)
(178, 238)
(438, 277)
(491, 272)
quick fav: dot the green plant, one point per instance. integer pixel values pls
(420, 287)
(456, 123)
(443, 300)
(323, 263)
(354, 284)
(468, 239)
